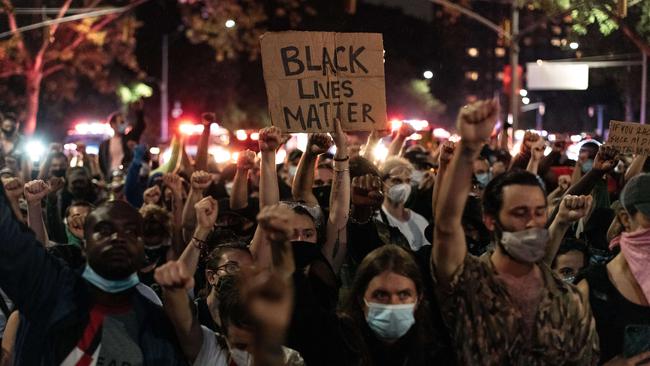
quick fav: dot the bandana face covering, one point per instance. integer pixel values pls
(636, 249)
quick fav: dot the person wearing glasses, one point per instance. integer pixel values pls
(225, 259)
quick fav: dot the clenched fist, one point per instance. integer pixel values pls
(573, 208)
(207, 210)
(174, 275)
(270, 139)
(35, 191)
(476, 121)
(246, 160)
(201, 180)
(319, 143)
(366, 191)
(446, 153)
(152, 195)
(13, 187)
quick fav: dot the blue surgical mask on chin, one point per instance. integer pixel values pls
(110, 286)
(483, 179)
(390, 322)
(587, 165)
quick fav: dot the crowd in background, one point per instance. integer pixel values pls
(443, 253)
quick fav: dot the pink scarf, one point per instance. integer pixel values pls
(616, 241)
(636, 249)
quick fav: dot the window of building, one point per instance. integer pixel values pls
(499, 52)
(472, 52)
(471, 75)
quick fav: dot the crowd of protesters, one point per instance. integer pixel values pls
(442, 254)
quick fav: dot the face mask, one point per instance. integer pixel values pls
(110, 286)
(154, 254)
(292, 170)
(528, 246)
(229, 186)
(241, 357)
(399, 193)
(390, 321)
(304, 253)
(71, 238)
(483, 179)
(121, 129)
(635, 247)
(620, 168)
(9, 131)
(60, 173)
(587, 165)
(416, 176)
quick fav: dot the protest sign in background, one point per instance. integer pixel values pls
(313, 77)
(629, 137)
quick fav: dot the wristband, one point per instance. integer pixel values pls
(195, 241)
(342, 159)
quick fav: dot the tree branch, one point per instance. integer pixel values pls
(13, 26)
(629, 32)
(38, 60)
(51, 70)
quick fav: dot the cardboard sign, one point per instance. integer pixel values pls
(629, 137)
(313, 77)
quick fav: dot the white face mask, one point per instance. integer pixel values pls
(399, 193)
(528, 246)
(241, 357)
(416, 176)
(292, 170)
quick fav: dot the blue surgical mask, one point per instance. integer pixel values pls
(122, 128)
(483, 179)
(390, 322)
(587, 165)
(110, 286)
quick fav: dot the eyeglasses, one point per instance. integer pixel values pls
(229, 267)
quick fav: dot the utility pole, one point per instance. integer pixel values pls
(644, 87)
(164, 98)
(514, 66)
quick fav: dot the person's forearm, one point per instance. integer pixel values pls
(369, 148)
(191, 254)
(576, 175)
(35, 222)
(442, 168)
(584, 186)
(239, 194)
(201, 162)
(396, 145)
(177, 306)
(636, 167)
(533, 166)
(177, 225)
(456, 185)
(189, 214)
(555, 194)
(269, 190)
(335, 247)
(556, 234)
(45, 168)
(132, 188)
(303, 182)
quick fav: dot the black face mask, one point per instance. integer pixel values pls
(60, 173)
(157, 255)
(304, 253)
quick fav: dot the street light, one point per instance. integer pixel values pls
(523, 92)
(525, 100)
(230, 23)
(574, 45)
(427, 74)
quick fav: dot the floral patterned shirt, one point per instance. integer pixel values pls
(487, 327)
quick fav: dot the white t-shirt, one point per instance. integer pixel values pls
(3, 319)
(213, 354)
(413, 229)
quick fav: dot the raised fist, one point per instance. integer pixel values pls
(446, 153)
(405, 130)
(530, 138)
(366, 191)
(201, 180)
(13, 187)
(270, 139)
(173, 275)
(35, 191)
(573, 208)
(476, 121)
(208, 118)
(606, 158)
(207, 210)
(275, 221)
(56, 184)
(152, 195)
(537, 149)
(173, 182)
(269, 299)
(319, 143)
(76, 225)
(564, 182)
(246, 160)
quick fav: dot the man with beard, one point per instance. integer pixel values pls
(507, 307)
(94, 317)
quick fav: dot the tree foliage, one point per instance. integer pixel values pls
(206, 23)
(53, 59)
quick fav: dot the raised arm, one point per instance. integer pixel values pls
(177, 277)
(174, 182)
(405, 130)
(369, 147)
(133, 190)
(199, 182)
(536, 156)
(35, 191)
(446, 153)
(14, 189)
(139, 125)
(571, 209)
(303, 182)
(475, 123)
(239, 195)
(201, 162)
(636, 167)
(270, 141)
(336, 241)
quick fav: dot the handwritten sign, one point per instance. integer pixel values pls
(313, 77)
(629, 137)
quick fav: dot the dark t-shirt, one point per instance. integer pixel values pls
(612, 312)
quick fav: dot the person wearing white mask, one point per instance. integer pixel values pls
(396, 175)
